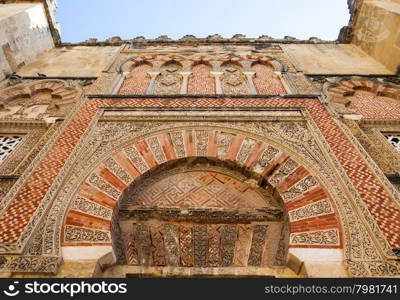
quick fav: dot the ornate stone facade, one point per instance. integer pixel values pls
(224, 155)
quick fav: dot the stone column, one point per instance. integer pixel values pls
(249, 76)
(184, 86)
(152, 83)
(218, 86)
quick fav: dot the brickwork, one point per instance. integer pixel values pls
(56, 88)
(180, 247)
(200, 81)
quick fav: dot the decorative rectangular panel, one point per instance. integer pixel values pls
(7, 145)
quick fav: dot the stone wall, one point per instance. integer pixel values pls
(333, 59)
(77, 61)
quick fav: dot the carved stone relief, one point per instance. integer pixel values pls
(169, 81)
(233, 80)
(358, 247)
(394, 140)
(322, 237)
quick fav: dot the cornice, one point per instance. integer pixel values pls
(140, 41)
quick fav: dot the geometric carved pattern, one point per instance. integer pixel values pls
(112, 165)
(245, 150)
(172, 244)
(199, 189)
(214, 245)
(177, 141)
(156, 149)
(265, 158)
(7, 145)
(209, 189)
(233, 80)
(46, 98)
(228, 239)
(188, 245)
(377, 199)
(371, 106)
(157, 245)
(104, 186)
(200, 244)
(137, 81)
(169, 81)
(266, 81)
(202, 142)
(286, 169)
(224, 141)
(137, 160)
(257, 245)
(131, 250)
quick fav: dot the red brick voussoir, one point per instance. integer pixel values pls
(382, 207)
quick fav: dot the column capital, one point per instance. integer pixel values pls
(249, 73)
(153, 74)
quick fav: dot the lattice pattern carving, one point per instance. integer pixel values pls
(7, 145)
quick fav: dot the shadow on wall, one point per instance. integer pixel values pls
(25, 34)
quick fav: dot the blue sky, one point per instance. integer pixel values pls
(101, 19)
